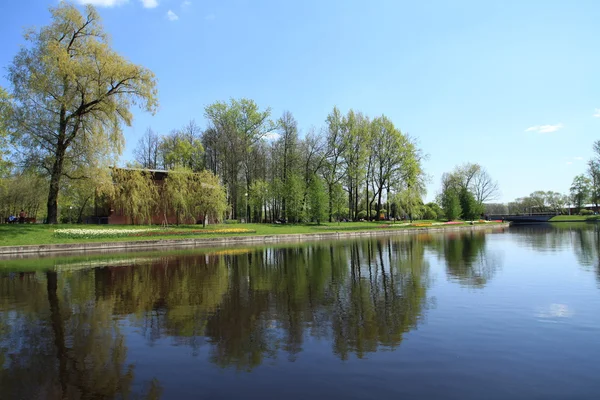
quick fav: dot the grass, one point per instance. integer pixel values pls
(574, 218)
(37, 234)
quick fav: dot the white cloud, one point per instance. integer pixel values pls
(186, 4)
(210, 17)
(577, 158)
(172, 16)
(103, 3)
(544, 128)
(149, 3)
(569, 162)
(597, 113)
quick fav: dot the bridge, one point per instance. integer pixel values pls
(524, 219)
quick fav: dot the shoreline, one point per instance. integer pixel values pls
(8, 251)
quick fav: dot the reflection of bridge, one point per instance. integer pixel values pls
(521, 219)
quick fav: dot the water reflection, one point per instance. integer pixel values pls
(467, 259)
(65, 329)
(582, 238)
(56, 334)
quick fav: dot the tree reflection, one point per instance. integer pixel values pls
(583, 238)
(467, 259)
(67, 346)
(361, 296)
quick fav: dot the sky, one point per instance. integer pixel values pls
(510, 85)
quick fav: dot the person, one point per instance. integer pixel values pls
(12, 219)
(22, 216)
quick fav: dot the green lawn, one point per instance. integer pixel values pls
(573, 218)
(17, 235)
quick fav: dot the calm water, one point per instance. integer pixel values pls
(509, 314)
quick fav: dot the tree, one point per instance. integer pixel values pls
(72, 92)
(451, 204)
(288, 142)
(178, 194)
(471, 209)
(333, 172)
(134, 192)
(580, 190)
(209, 199)
(594, 174)
(5, 108)
(317, 200)
(293, 195)
(180, 150)
(147, 151)
(474, 178)
(484, 188)
(235, 130)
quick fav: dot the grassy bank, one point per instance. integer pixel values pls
(575, 218)
(20, 235)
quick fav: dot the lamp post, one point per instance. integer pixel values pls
(70, 215)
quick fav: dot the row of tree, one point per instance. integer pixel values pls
(354, 164)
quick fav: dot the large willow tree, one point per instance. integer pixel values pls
(72, 93)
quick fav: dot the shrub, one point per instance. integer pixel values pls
(429, 213)
(362, 214)
(586, 212)
(231, 221)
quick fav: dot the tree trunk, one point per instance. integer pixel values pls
(330, 187)
(57, 169)
(379, 203)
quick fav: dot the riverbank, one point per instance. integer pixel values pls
(575, 218)
(120, 244)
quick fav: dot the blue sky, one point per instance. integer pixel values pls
(511, 85)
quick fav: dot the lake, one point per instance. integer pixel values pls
(509, 313)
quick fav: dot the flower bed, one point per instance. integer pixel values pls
(118, 233)
(99, 233)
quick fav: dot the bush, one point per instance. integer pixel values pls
(362, 214)
(586, 212)
(231, 221)
(429, 213)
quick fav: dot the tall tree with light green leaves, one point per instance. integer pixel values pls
(333, 166)
(72, 92)
(356, 137)
(235, 129)
(134, 192)
(580, 191)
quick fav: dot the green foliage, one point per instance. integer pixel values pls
(293, 194)
(451, 204)
(72, 95)
(317, 200)
(580, 190)
(135, 194)
(22, 191)
(429, 213)
(179, 150)
(586, 212)
(435, 207)
(5, 110)
(471, 209)
(339, 202)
